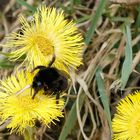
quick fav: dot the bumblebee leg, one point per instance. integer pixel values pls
(38, 67)
(53, 59)
(45, 87)
(57, 97)
(44, 67)
(35, 92)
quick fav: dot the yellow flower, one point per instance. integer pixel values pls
(21, 109)
(126, 122)
(48, 34)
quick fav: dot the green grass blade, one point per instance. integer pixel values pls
(137, 24)
(127, 65)
(84, 18)
(104, 99)
(94, 21)
(24, 3)
(71, 120)
(5, 64)
(69, 123)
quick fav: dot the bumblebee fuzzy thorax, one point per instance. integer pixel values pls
(51, 80)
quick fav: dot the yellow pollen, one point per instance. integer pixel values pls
(26, 102)
(44, 45)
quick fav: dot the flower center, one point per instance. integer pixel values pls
(45, 45)
(27, 103)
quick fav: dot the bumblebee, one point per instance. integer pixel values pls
(51, 80)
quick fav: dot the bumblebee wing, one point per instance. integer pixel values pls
(65, 74)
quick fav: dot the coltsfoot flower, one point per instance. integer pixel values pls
(48, 34)
(126, 122)
(20, 109)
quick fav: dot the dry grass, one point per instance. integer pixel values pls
(97, 86)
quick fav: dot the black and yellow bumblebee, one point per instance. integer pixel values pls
(50, 79)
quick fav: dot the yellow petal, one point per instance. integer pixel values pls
(126, 122)
(21, 109)
(47, 34)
